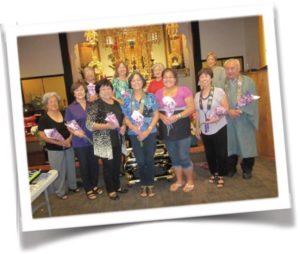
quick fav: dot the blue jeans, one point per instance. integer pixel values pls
(179, 151)
(144, 157)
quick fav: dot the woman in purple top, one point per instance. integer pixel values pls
(81, 141)
(176, 104)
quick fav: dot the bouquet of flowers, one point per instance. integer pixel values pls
(111, 118)
(74, 126)
(169, 107)
(53, 134)
(91, 89)
(218, 112)
(138, 119)
(246, 99)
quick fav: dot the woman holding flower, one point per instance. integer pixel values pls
(141, 115)
(176, 104)
(60, 152)
(105, 119)
(81, 140)
(213, 125)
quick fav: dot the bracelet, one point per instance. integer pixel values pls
(179, 116)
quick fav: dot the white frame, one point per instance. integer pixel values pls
(280, 202)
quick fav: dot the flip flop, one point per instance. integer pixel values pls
(175, 186)
(188, 187)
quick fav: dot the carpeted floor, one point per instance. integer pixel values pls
(262, 185)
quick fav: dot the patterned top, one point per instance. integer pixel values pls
(150, 106)
(120, 88)
(103, 139)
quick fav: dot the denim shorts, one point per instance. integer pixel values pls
(179, 151)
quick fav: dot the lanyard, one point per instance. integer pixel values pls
(208, 107)
(142, 104)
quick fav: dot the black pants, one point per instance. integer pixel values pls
(246, 164)
(216, 151)
(111, 170)
(89, 167)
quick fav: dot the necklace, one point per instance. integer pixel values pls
(141, 106)
(239, 88)
(208, 107)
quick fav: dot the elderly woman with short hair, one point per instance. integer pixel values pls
(60, 152)
(157, 82)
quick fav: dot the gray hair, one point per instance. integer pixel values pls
(160, 65)
(47, 96)
(88, 68)
(236, 62)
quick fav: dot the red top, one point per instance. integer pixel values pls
(155, 85)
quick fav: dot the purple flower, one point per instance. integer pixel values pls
(53, 134)
(218, 112)
(246, 100)
(138, 119)
(111, 118)
(91, 89)
(73, 125)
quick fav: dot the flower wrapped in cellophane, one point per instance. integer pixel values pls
(138, 119)
(111, 118)
(91, 89)
(74, 126)
(246, 100)
(169, 107)
(53, 134)
(218, 112)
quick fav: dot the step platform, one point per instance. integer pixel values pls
(162, 163)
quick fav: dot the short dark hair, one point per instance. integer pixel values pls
(103, 82)
(172, 71)
(140, 75)
(78, 84)
(207, 71)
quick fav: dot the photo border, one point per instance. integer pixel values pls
(12, 32)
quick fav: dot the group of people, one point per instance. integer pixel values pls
(106, 111)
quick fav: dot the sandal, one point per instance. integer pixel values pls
(188, 187)
(143, 191)
(220, 182)
(91, 195)
(75, 190)
(175, 186)
(212, 179)
(97, 190)
(151, 192)
(64, 197)
(113, 195)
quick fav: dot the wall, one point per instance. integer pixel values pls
(39, 56)
(73, 39)
(231, 37)
(185, 28)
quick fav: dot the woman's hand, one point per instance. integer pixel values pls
(79, 133)
(198, 133)
(213, 119)
(123, 129)
(64, 143)
(110, 126)
(143, 135)
(136, 130)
